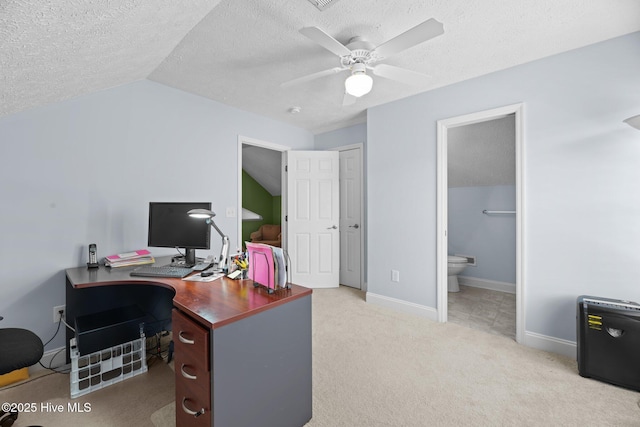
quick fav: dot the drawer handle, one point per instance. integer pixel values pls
(185, 340)
(187, 376)
(189, 411)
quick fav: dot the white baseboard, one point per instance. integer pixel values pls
(54, 358)
(402, 306)
(551, 344)
(493, 285)
(531, 339)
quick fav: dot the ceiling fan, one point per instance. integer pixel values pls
(359, 55)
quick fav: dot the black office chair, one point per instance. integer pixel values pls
(20, 348)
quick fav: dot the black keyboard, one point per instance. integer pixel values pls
(165, 271)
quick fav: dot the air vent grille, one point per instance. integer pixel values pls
(322, 4)
(620, 305)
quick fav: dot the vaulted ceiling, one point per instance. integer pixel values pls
(238, 52)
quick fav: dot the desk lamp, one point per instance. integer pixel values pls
(208, 216)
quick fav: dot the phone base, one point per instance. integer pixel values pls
(92, 265)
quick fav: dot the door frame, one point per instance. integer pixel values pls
(283, 183)
(442, 207)
(360, 148)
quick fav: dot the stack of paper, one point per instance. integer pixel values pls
(138, 257)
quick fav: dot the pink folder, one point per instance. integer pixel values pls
(261, 264)
(129, 255)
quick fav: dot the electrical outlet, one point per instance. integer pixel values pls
(56, 313)
(395, 276)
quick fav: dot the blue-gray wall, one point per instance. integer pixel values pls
(582, 166)
(356, 134)
(490, 238)
(76, 172)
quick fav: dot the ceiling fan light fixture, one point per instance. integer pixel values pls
(358, 84)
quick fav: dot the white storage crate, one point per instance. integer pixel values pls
(109, 366)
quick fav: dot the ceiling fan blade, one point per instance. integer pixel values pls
(325, 40)
(313, 76)
(348, 100)
(400, 74)
(416, 35)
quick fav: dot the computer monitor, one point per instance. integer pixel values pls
(171, 227)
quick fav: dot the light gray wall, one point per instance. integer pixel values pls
(83, 171)
(356, 134)
(582, 210)
(490, 238)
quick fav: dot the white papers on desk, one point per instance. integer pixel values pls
(281, 270)
(199, 278)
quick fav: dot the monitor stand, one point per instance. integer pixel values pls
(189, 257)
(188, 260)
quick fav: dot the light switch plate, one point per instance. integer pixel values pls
(231, 212)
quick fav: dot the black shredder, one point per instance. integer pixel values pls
(609, 340)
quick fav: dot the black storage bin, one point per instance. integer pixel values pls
(105, 329)
(608, 340)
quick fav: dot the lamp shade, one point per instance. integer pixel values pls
(634, 121)
(201, 213)
(358, 84)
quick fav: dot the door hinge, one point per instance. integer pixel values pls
(286, 218)
(286, 168)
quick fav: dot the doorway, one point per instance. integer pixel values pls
(351, 183)
(445, 131)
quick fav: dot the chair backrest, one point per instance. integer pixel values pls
(270, 231)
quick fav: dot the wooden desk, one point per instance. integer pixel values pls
(253, 348)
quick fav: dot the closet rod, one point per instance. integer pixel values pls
(486, 212)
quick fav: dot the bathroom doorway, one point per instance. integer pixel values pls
(480, 218)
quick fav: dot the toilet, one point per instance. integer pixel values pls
(455, 265)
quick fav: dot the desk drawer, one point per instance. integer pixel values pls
(191, 342)
(192, 371)
(189, 402)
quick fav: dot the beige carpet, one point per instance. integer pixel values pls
(127, 403)
(376, 367)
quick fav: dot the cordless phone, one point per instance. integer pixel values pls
(93, 256)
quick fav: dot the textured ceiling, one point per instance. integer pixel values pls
(238, 52)
(55, 50)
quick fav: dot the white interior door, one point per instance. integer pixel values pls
(313, 217)
(351, 218)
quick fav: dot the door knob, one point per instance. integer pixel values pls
(356, 226)
(332, 227)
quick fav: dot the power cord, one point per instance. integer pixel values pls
(60, 320)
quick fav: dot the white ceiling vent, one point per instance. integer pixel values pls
(322, 4)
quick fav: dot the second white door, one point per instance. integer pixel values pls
(351, 218)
